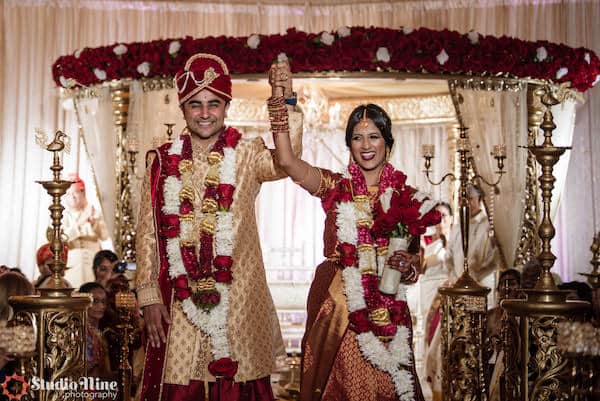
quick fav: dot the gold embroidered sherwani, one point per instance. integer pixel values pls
(253, 329)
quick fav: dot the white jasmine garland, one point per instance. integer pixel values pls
(100, 74)
(343, 31)
(227, 172)
(174, 47)
(176, 267)
(171, 195)
(442, 57)
(346, 223)
(383, 54)
(561, 72)
(120, 49)
(327, 38)
(77, 53)
(393, 359)
(389, 360)
(541, 53)
(587, 58)
(214, 321)
(144, 68)
(406, 30)
(253, 41)
(353, 289)
(596, 80)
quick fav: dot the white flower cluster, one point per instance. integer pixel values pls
(144, 68)
(253, 41)
(541, 53)
(383, 54)
(174, 47)
(120, 49)
(473, 37)
(100, 74)
(442, 57)
(343, 31)
(327, 38)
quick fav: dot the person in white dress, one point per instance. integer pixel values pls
(84, 229)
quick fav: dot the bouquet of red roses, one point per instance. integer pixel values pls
(400, 215)
(404, 212)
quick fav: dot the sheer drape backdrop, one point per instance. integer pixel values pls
(35, 33)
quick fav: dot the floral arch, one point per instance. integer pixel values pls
(127, 88)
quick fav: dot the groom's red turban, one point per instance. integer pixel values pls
(203, 71)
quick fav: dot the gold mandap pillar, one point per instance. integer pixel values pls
(125, 160)
(543, 368)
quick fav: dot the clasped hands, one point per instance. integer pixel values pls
(280, 79)
(406, 263)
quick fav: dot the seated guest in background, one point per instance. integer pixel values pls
(435, 267)
(579, 291)
(98, 362)
(11, 284)
(104, 265)
(43, 257)
(509, 284)
(84, 228)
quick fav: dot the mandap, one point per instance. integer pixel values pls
(432, 83)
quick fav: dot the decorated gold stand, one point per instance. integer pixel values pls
(125, 334)
(58, 316)
(543, 368)
(464, 305)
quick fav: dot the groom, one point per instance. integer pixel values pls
(211, 323)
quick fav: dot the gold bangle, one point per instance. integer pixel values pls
(303, 180)
(318, 191)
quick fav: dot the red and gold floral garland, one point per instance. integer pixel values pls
(420, 50)
(374, 316)
(206, 300)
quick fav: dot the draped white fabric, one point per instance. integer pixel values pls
(35, 33)
(100, 139)
(499, 118)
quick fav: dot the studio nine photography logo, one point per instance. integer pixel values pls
(89, 388)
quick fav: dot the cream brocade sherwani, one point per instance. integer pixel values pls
(253, 328)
